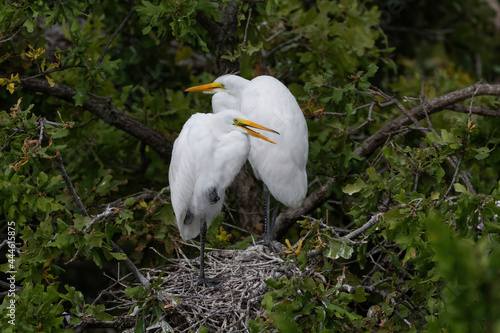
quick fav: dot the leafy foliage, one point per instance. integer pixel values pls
(423, 207)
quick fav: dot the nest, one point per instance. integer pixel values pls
(227, 306)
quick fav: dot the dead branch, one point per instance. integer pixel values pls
(477, 110)
(226, 307)
(375, 218)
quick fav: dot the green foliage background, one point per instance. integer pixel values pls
(429, 265)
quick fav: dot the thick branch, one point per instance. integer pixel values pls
(477, 110)
(432, 106)
(107, 112)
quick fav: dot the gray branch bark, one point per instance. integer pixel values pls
(432, 106)
(107, 112)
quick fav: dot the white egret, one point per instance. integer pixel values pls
(207, 155)
(282, 167)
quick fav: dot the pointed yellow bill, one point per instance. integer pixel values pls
(206, 87)
(247, 123)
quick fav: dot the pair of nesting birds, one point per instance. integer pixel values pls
(212, 148)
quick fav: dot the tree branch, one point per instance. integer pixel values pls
(375, 218)
(477, 110)
(69, 185)
(432, 106)
(117, 31)
(107, 112)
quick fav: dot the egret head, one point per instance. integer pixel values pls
(229, 83)
(245, 124)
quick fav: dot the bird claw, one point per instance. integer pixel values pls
(209, 282)
(273, 246)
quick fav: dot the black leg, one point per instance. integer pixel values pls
(267, 199)
(201, 277)
(203, 233)
(273, 219)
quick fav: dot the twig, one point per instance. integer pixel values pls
(117, 31)
(457, 168)
(41, 122)
(58, 69)
(434, 105)
(108, 211)
(334, 113)
(14, 35)
(364, 227)
(246, 26)
(105, 111)
(145, 283)
(15, 131)
(83, 211)
(69, 185)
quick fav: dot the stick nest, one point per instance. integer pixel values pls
(227, 306)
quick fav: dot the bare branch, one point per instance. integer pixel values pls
(108, 211)
(434, 105)
(69, 185)
(117, 31)
(375, 218)
(14, 35)
(477, 110)
(131, 266)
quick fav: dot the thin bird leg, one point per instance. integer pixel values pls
(201, 278)
(273, 219)
(270, 236)
(267, 198)
(203, 233)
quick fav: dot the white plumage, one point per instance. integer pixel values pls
(265, 100)
(207, 155)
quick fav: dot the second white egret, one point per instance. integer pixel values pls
(282, 167)
(207, 155)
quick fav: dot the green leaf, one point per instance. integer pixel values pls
(339, 248)
(134, 292)
(82, 88)
(483, 152)
(267, 302)
(360, 295)
(372, 69)
(118, 255)
(372, 173)
(448, 137)
(460, 188)
(203, 329)
(129, 202)
(337, 95)
(320, 314)
(354, 188)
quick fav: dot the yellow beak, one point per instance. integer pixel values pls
(206, 87)
(247, 123)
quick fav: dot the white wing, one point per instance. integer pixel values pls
(206, 157)
(282, 167)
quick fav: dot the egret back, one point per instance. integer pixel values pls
(206, 157)
(282, 167)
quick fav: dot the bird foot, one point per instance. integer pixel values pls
(209, 282)
(273, 246)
